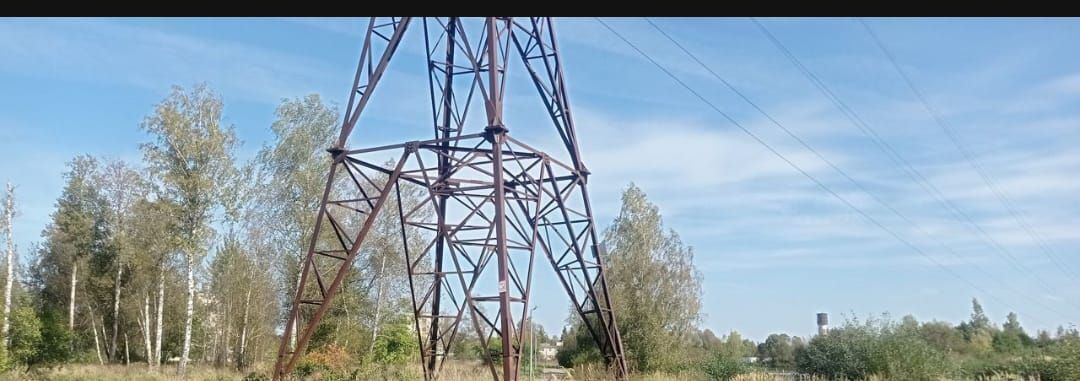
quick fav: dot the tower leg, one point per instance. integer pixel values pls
(582, 273)
(331, 255)
(486, 198)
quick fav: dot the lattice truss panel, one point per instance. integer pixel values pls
(489, 203)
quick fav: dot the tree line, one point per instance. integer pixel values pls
(191, 255)
(656, 291)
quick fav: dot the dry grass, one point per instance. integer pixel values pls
(458, 371)
(120, 373)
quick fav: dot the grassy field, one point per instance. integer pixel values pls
(454, 373)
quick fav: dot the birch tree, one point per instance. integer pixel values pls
(120, 187)
(9, 265)
(653, 282)
(74, 234)
(191, 156)
(154, 238)
(292, 173)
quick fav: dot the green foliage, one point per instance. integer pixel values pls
(1065, 362)
(1006, 342)
(877, 347)
(55, 345)
(578, 348)
(38, 339)
(110, 220)
(653, 283)
(293, 174)
(724, 367)
(25, 336)
(395, 344)
(906, 357)
(778, 351)
(943, 336)
(734, 346)
(329, 363)
(191, 157)
(192, 151)
(978, 317)
(77, 232)
(256, 376)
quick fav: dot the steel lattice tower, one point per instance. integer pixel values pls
(487, 197)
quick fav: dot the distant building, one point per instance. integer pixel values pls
(547, 351)
(822, 324)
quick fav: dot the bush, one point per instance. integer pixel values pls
(858, 351)
(908, 358)
(55, 345)
(25, 333)
(327, 363)
(1064, 363)
(395, 344)
(724, 368)
(254, 376)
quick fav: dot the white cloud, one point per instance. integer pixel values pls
(123, 54)
(347, 26)
(1053, 298)
(1069, 84)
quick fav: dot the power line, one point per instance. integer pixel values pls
(807, 145)
(897, 159)
(963, 150)
(796, 166)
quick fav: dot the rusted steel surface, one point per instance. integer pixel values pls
(485, 197)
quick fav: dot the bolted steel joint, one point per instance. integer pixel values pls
(335, 152)
(492, 131)
(496, 129)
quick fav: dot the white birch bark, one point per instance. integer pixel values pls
(144, 324)
(158, 317)
(378, 304)
(71, 301)
(188, 313)
(97, 345)
(116, 310)
(9, 215)
(241, 355)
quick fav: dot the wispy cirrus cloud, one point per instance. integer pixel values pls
(101, 51)
(747, 213)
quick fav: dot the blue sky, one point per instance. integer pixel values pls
(773, 248)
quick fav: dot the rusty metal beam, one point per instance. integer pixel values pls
(484, 197)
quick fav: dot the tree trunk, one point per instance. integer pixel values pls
(9, 215)
(71, 302)
(144, 322)
(103, 334)
(226, 348)
(241, 355)
(116, 310)
(160, 308)
(188, 313)
(97, 345)
(211, 342)
(378, 304)
(127, 351)
(296, 322)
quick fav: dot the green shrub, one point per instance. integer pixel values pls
(906, 357)
(395, 344)
(724, 368)
(25, 336)
(874, 348)
(255, 376)
(1064, 363)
